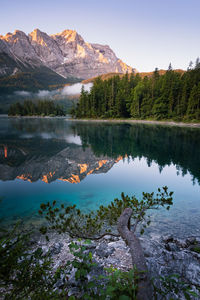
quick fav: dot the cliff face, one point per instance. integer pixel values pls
(66, 53)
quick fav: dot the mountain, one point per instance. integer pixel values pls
(65, 53)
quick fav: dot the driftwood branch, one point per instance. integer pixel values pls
(138, 259)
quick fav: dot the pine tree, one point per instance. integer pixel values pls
(137, 96)
(193, 103)
(197, 63)
(170, 67)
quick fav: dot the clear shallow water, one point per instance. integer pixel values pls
(89, 164)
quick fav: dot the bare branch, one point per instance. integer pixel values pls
(99, 237)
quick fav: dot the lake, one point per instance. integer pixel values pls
(91, 163)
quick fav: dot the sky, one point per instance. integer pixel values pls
(143, 33)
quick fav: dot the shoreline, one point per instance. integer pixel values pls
(151, 122)
(131, 121)
(32, 117)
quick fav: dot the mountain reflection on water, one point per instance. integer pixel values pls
(48, 153)
(51, 149)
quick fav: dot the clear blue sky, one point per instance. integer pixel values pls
(143, 33)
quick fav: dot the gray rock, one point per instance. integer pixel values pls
(113, 261)
(167, 238)
(45, 249)
(191, 240)
(103, 250)
(173, 256)
(110, 238)
(71, 277)
(193, 273)
(181, 243)
(56, 248)
(171, 247)
(120, 244)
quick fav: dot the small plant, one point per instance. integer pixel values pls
(107, 220)
(82, 260)
(196, 249)
(172, 285)
(120, 285)
(25, 273)
(83, 265)
(97, 224)
(114, 284)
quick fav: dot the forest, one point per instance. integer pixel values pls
(41, 108)
(171, 96)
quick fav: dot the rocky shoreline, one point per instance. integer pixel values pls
(165, 255)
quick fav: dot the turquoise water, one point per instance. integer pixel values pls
(103, 160)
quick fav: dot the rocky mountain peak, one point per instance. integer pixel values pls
(18, 32)
(68, 36)
(46, 48)
(11, 37)
(35, 33)
(67, 33)
(38, 36)
(66, 53)
(19, 48)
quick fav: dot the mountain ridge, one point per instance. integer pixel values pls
(65, 53)
(141, 74)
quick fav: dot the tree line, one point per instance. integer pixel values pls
(173, 95)
(41, 108)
